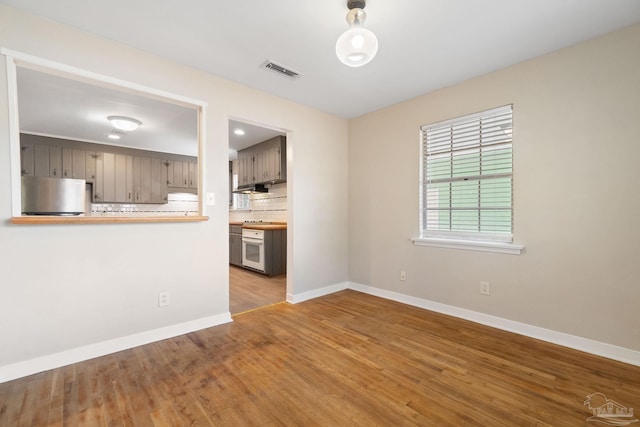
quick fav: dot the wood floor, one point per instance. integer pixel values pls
(249, 290)
(347, 359)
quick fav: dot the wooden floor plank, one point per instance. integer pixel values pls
(249, 290)
(346, 359)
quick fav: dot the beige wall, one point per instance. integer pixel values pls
(65, 287)
(576, 168)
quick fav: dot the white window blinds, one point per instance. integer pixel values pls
(467, 173)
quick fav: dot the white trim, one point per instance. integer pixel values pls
(14, 138)
(294, 299)
(68, 71)
(79, 354)
(47, 65)
(597, 348)
(469, 245)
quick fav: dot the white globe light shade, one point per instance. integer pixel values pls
(356, 46)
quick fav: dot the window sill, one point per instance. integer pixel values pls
(469, 245)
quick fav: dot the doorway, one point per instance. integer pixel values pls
(257, 201)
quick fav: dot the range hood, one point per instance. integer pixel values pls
(250, 189)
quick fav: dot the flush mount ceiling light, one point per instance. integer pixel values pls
(126, 124)
(356, 46)
(238, 131)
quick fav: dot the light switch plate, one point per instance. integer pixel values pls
(211, 199)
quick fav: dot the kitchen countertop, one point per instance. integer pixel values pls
(259, 226)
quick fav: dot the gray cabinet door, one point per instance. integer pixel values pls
(158, 181)
(67, 162)
(246, 163)
(170, 167)
(235, 246)
(142, 179)
(84, 165)
(123, 178)
(179, 177)
(91, 162)
(193, 174)
(106, 177)
(27, 158)
(185, 175)
(97, 176)
(41, 160)
(55, 161)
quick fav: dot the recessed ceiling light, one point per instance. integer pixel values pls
(126, 124)
(238, 132)
(113, 136)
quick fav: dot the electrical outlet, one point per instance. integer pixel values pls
(163, 299)
(484, 288)
(403, 275)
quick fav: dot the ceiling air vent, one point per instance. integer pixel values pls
(276, 68)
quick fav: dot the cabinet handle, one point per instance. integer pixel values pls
(55, 172)
(129, 198)
(137, 196)
(64, 173)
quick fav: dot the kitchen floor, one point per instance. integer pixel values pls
(249, 290)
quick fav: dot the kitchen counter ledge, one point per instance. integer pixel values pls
(36, 219)
(259, 226)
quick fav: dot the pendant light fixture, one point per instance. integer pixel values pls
(356, 46)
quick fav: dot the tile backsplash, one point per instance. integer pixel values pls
(178, 204)
(268, 207)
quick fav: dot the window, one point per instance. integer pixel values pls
(467, 178)
(240, 200)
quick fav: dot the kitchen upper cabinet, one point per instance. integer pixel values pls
(27, 158)
(149, 180)
(55, 161)
(176, 176)
(114, 179)
(74, 163)
(115, 176)
(123, 179)
(193, 174)
(272, 161)
(142, 179)
(158, 181)
(182, 174)
(91, 162)
(42, 160)
(263, 163)
(84, 164)
(246, 170)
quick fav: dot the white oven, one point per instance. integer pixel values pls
(253, 249)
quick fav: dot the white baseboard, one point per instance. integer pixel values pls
(294, 299)
(609, 351)
(79, 354)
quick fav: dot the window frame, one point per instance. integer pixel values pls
(500, 242)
